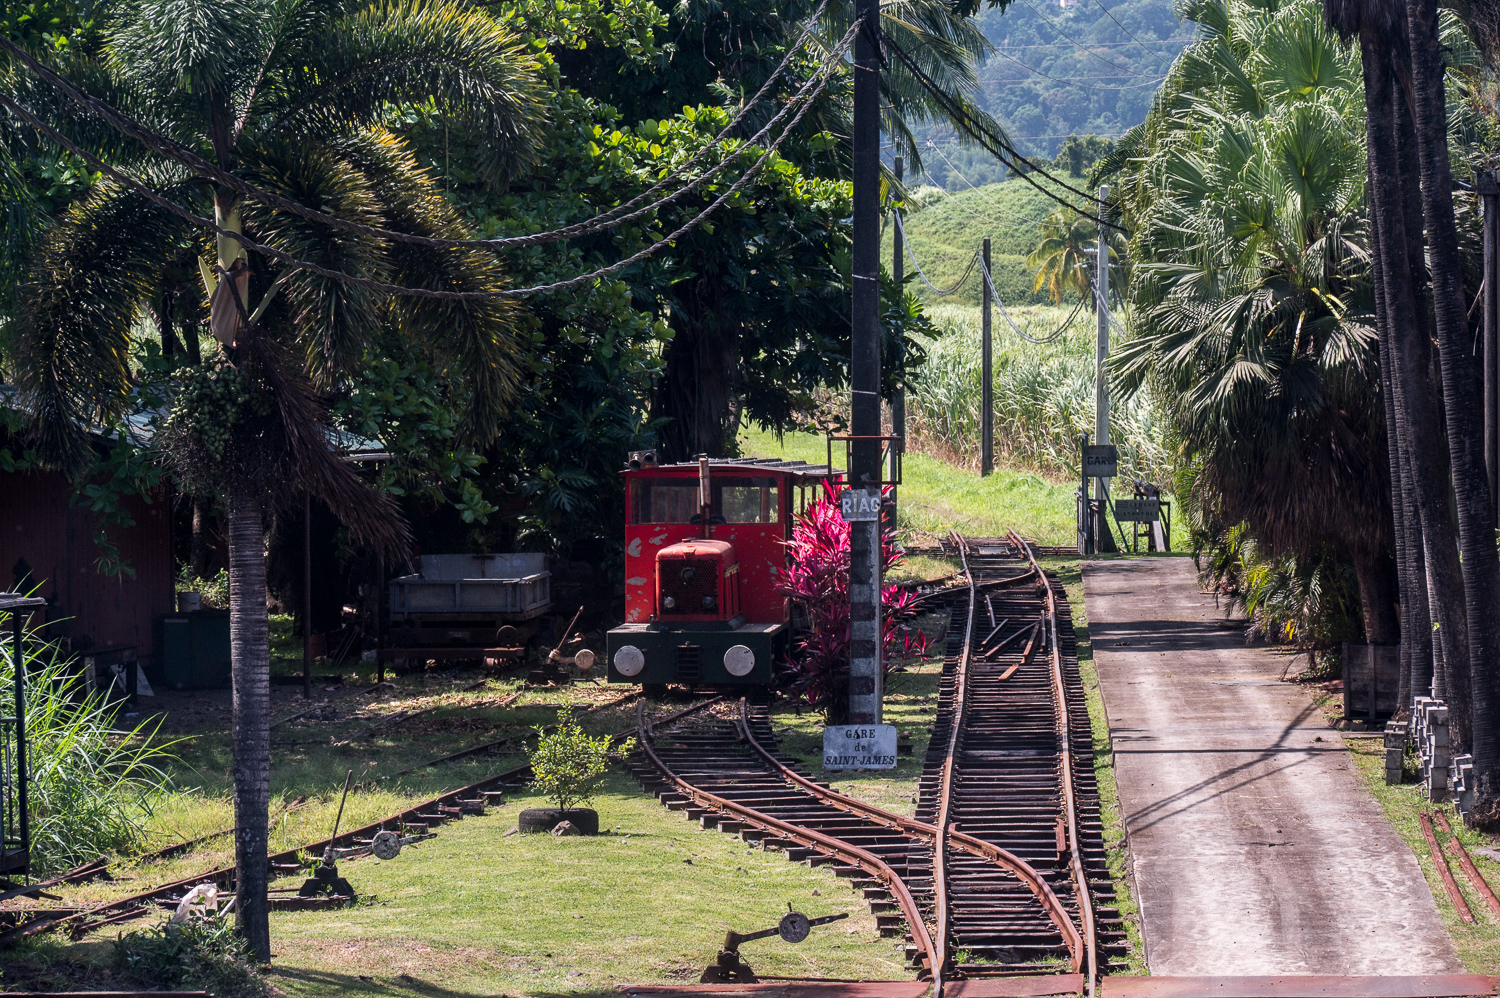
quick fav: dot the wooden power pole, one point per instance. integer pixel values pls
(1489, 192)
(865, 450)
(987, 371)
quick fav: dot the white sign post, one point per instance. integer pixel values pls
(859, 746)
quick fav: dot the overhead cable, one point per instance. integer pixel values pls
(1039, 341)
(1099, 302)
(994, 143)
(1004, 211)
(1083, 86)
(1110, 14)
(185, 156)
(1079, 45)
(940, 292)
(808, 91)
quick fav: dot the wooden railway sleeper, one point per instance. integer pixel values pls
(850, 855)
(1027, 874)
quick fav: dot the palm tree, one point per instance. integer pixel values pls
(290, 96)
(1245, 195)
(1062, 256)
(1425, 533)
(1479, 683)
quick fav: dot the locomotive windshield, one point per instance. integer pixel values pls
(736, 499)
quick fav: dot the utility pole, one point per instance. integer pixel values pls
(898, 401)
(1103, 536)
(307, 596)
(987, 373)
(864, 458)
(1489, 192)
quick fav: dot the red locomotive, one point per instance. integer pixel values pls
(704, 547)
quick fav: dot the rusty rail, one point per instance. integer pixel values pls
(1003, 858)
(828, 844)
(945, 785)
(139, 904)
(1065, 760)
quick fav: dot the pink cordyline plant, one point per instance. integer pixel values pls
(818, 580)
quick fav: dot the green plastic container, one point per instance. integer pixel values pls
(195, 650)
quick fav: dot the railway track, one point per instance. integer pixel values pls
(422, 818)
(1007, 788)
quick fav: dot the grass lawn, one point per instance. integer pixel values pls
(477, 911)
(936, 496)
(1478, 945)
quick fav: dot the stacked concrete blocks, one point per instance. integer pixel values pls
(1463, 784)
(1395, 750)
(1433, 747)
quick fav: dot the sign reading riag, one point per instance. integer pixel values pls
(858, 505)
(859, 746)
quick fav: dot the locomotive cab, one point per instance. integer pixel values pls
(705, 547)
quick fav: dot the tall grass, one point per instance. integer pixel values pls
(1044, 396)
(91, 783)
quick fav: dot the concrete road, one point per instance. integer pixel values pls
(1254, 847)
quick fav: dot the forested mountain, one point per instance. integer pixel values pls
(1060, 68)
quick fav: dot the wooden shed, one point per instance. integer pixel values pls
(46, 535)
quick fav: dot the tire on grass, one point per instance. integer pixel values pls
(544, 819)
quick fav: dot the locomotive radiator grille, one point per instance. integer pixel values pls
(686, 584)
(689, 663)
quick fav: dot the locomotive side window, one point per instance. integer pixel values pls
(747, 500)
(664, 500)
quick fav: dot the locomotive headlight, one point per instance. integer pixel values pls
(709, 602)
(739, 660)
(669, 602)
(689, 576)
(629, 661)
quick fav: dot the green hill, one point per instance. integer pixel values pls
(947, 228)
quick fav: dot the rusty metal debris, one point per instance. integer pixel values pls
(728, 968)
(1476, 879)
(1441, 862)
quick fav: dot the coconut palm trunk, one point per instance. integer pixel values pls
(249, 644)
(1418, 422)
(1471, 691)
(1390, 252)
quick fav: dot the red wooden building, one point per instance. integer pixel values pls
(48, 536)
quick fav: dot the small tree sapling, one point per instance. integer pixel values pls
(568, 763)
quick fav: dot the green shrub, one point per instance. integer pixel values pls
(567, 763)
(91, 784)
(207, 955)
(214, 591)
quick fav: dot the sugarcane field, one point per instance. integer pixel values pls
(828, 499)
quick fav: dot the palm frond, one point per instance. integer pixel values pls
(396, 51)
(87, 284)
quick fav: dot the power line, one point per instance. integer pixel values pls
(1110, 14)
(188, 158)
(1078, 44)
(997, 145)
(977, 191)
(286, 258)
(1039, 341)
(1083, 86)
(941, 292)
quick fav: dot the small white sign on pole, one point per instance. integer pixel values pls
(859, 746)
(859, 505)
